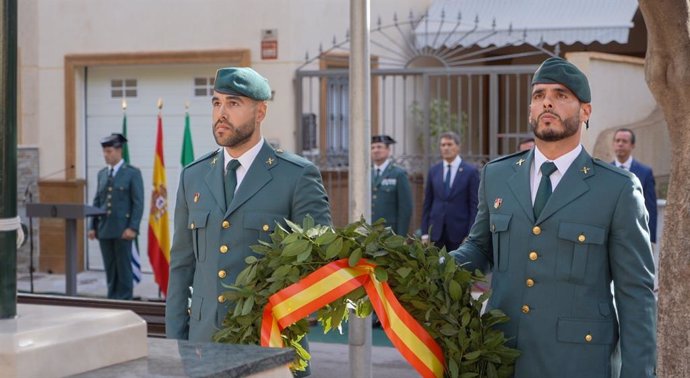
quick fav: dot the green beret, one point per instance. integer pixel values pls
(242, 81)
(560, 71)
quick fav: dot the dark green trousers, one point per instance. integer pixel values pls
(117, 262)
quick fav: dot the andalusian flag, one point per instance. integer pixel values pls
(187, 147)
(159, 231)
(136, 259)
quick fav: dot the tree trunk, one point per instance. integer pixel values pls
(668, 76)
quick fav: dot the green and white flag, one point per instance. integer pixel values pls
(187, 147)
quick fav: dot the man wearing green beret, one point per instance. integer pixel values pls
(391, 197)
(230, 199)
(556, 228)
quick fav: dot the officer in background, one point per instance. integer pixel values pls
(230, 199)
(557, 228)
(391, 197)
(120, 193)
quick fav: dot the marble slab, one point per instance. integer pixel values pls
(60, 341)
(177, 358)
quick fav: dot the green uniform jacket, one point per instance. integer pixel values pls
(210, 242)
(123, 202)
(391, 198)
(552, 276)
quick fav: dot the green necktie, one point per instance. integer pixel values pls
(230, 180)
(544, 191)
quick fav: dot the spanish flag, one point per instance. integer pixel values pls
(159, 231)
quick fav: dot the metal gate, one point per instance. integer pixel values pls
(486, 105)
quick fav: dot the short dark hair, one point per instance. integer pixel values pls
(450, 135)
(623, 129)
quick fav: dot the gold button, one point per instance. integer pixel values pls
(588, 338)
(581, 238)
(221, 298)
(529, 282)
(265, 227)
(375, 189)
(223, 248)
(225, 224)
(110, 196)
(109, 212)
(222, 274)
(533, 256)
(192, 226)
(493, 228)
(110, 188)
(525, 309)
(373, 197)
(189, 311)
(536, 230)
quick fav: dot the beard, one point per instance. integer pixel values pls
(550, 134)
(239, 134)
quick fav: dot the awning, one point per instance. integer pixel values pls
(453, 23)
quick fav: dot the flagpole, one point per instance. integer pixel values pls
(8, 159)
(158, 228)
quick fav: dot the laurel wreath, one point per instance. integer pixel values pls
(426, 281)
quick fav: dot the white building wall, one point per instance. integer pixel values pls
(51, 29)
(620, 95)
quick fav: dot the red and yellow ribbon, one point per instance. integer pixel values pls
(337, 279)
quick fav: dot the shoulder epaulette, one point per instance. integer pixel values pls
(292, 158)
(205, 157)
(509, 156)
(611, 167)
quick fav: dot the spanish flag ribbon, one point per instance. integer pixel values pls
(337, 279)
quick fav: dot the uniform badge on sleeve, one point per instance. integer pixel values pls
(498, 202)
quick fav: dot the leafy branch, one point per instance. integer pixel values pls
(427, 282)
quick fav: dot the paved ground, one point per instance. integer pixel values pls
(329, 360)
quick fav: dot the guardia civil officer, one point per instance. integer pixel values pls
(230, 199)
(557, 227)
(391, 197)
(120, 193)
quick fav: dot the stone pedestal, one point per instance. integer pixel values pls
(60, 341)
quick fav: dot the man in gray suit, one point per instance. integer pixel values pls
(557, 227)
(230, 199)
(120, 193)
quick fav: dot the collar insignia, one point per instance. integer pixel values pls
(585, 170)
(519, 162)
(213, 162)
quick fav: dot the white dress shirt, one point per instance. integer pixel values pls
(246, 160)
(454, 166)
(562, 164)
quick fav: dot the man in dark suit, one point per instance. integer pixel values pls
(557, 228)
(623, 145)
(391, 197)
(230, 199)
(120, 193)
(450, 196)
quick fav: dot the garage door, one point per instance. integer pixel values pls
(141, 87)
